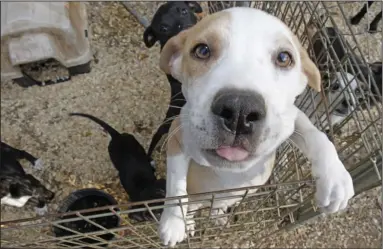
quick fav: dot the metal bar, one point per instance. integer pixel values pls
(142, 20)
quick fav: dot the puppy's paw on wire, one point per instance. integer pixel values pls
(172, 226)
(190, 228)
(334, 187)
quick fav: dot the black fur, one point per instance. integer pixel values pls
(134, 167)
(373, 27)
(169, 20)
(16, 182)
(9, 153)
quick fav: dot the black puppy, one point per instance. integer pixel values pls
(18, 188)
(355, 20)
(134, 168)
(170, 19)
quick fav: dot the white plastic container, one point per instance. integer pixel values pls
(37, 31)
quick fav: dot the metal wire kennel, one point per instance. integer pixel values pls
(288, 197)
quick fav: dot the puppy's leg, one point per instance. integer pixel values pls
(41, 208)
(21, 154)
(172, 224)
(374, 24)
(334, 185)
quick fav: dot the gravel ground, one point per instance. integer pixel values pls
(127, 90)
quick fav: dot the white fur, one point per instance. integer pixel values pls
(172, 219)
(246, 63)
(333, 182)
(39, 164)
(308, 101)
(41, 211)
(16, 202)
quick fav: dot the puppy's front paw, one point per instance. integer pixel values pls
(334, 187)
(38, 164)
(190, 226)
(41, 211)
(172, 226)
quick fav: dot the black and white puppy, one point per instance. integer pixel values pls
(18, 188)
(322, 54)
(170, 19)
(134, 167)
(373, 27)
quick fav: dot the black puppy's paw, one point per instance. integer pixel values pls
(41, 211)
(153, 164)
(38, 164)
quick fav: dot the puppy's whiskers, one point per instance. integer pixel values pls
(179, 99)
(300, 135)
(170, 136)
(174, 106)
(170, 119)
(175, 95)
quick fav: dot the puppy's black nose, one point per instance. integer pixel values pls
(238, 110)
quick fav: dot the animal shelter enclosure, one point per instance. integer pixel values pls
(287, 199)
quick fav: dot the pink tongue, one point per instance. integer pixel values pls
(232, 153)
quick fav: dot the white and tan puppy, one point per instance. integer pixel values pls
(241, 70)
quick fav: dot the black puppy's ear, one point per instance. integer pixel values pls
(194, 6)
(149, 37)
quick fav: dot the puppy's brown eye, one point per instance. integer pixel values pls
(284, 59)
(201, 51)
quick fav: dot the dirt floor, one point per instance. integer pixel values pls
(127, 89)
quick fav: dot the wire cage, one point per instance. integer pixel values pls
(287, 198)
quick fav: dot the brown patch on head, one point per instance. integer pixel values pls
(210, 31)
(308, 66)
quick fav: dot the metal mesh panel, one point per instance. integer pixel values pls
(256, 214)
(288, 197)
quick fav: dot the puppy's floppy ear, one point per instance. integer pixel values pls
(308, 67)
(194, 6)
(171, 51)
(149, 37)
